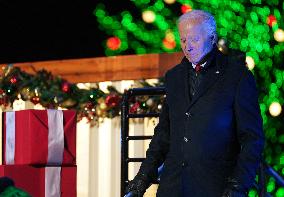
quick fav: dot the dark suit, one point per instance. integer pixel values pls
(215, 135)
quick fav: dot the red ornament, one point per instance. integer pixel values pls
(134, 108)
(112, 100)
(89, 105)
(113, 43)
(65, 87)
(2, 91)
(4, 101)
(35, 100)
(271, 20)
(169, 44)
(13, 80)
(185, 8)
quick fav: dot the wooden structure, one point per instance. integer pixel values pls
(113, 68)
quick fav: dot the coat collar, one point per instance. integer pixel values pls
(211, 77)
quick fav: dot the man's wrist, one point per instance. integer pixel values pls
(233, 193)
(234, 189)
(138, 185)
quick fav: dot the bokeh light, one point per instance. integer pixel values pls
(185, 8)
(148, 16)
(113, 43)
(169, 1)
(250, 62)
(275, 109)
(271, 20)
(279, 35)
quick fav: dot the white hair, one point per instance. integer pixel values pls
(201, 17)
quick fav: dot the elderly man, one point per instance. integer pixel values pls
(209, 135)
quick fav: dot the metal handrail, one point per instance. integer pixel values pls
(125, 138)
(278, 178)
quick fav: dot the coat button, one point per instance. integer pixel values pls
(185, 139)
(188, 114)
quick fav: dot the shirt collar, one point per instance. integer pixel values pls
(194, 65)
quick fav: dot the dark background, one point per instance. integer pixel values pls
(46, 30)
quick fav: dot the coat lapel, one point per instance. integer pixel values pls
(185, 81)
(211, 77)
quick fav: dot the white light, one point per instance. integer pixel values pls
(250, 62)
(83, 86)
(221, 42)
(275, 109)
(279, 35)
(169, 1)
(148, 16)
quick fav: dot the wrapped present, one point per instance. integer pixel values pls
(46, 137)
(43, 181)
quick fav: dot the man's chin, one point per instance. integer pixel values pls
(192, 60)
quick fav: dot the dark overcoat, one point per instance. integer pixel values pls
(214, 136)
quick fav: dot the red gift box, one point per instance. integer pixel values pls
(42, 181)
(33, 141)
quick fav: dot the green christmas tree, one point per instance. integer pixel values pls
(252, 26)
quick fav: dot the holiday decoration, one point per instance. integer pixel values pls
(148, 16)
(113, 43)
(250, 62)
(54, 129)
(185, 8)
(279, 35)
(271, 20)
(275, 109)
(53, 92)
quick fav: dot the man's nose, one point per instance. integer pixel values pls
(189, 49)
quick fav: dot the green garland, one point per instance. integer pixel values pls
(53, 92)
(13, 191)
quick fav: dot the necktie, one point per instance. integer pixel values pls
(198, 68)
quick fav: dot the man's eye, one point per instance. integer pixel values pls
(195, 39)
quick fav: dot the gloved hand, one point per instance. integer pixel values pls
(138, 185)
(234, 189)
(232, 193)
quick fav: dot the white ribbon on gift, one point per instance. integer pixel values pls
(10, 138)
(52, 181)
(55, 137)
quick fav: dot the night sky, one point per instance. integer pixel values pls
(53, 29)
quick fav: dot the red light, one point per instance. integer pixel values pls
(13, 80)
(271, 20)
(113, 43)
(169, 44)
(185, 8)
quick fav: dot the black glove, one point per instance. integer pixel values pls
(234, 189)
(138, 185)
(232, 193)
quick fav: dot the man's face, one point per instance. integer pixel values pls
(195, 41)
